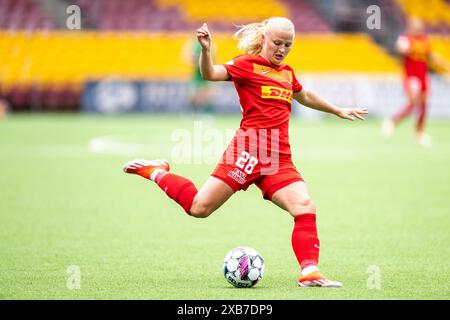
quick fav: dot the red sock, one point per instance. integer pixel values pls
(305, 241)
(178, 188)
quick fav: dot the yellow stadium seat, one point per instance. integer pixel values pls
(78, 56)
(440, 44)
(225, 10)
(432, 12)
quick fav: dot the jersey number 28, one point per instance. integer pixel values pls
(246, 158)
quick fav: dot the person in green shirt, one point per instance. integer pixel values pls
(202, 91)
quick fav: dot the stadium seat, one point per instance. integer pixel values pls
(61, 57)
(440, 44)
(23, 15)
(435, 13)
(222, 15)
(145, 39)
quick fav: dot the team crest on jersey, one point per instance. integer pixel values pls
(270, 92)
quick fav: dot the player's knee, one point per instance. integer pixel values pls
(305, 205)
(200, 210)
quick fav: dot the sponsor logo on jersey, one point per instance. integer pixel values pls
(270, 92)
(237, 175)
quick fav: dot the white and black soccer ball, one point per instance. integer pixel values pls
(243, 267)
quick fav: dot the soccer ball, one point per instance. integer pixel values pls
(243, 267)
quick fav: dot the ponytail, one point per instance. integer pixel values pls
(250, 37)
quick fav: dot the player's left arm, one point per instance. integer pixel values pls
(311, 100)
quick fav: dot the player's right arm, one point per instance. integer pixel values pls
(209, 70)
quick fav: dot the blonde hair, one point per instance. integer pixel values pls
(250, 35)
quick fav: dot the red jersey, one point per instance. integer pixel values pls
(418, 49)
(265, 92)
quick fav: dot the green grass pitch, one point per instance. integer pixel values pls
(383, 213)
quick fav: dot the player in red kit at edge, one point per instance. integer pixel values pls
(260, 152)
(415, 49)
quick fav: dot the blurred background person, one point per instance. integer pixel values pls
(415, 49)
(202, 96)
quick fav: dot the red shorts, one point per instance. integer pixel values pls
(416, 84)
(246, 170)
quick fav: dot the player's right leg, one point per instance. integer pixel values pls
(199, 204)
(412, 89)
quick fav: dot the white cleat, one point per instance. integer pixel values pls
(316, 279)
(147, 169)
(320, 283)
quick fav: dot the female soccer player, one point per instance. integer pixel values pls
(259, 152)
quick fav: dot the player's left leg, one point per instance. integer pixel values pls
(295, 199)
